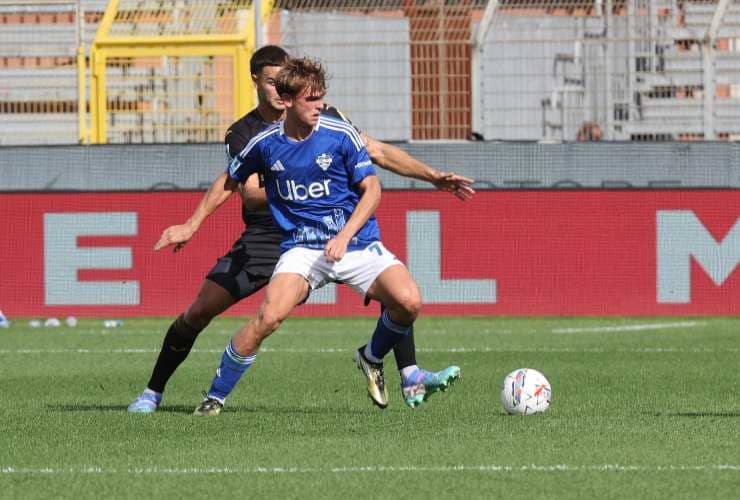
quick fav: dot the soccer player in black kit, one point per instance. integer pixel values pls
(248, 266)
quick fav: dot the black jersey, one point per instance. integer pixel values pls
(237, 137)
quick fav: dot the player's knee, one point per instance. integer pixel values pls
(413, 306)
(185, 332)
(198, 316)
(269, 321)
(409, 303)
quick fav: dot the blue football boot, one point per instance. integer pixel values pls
(418, 387)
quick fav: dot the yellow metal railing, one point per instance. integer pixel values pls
(176, 75)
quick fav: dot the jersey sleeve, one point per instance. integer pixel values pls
(234, 143)
(357, 161)
(247, 162)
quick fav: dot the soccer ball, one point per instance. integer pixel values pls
(525, 392)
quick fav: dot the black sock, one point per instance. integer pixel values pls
(405, 351)
(176, 346)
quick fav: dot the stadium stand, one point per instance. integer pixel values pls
(639, 69)
(38, 49)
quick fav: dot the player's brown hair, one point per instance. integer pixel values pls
(301, 73)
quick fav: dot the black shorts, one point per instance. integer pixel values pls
(248, 266)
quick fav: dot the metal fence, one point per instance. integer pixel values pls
(170, 71)
(401, 69)
(567, 70)
(42, 69)
(615, 70)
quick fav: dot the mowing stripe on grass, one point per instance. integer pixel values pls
(454, 350)
(214, 332)
(8, 470)
(628, 328)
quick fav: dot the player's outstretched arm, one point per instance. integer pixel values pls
(400, 162)
(369, 200)
(220, 191)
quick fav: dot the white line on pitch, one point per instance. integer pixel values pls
(7, 470)
(454, 350)
(629, 328)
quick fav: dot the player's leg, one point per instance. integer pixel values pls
(400, 295)
(404, 351)
(211, 301)
(285, 291)
(401, 298)
(418, 384)
(234, 278)
(244, 270)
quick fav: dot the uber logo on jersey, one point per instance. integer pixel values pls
(324, 161)
(300, 192)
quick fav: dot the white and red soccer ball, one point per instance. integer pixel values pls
(525, 392)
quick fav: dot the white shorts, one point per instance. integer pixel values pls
(358, 268)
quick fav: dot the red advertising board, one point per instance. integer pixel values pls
(503, 253)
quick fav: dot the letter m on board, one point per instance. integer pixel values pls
(682, 236)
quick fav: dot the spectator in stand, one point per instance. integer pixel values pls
(589, 132)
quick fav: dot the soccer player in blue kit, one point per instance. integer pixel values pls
(247, 267)
(322, 191)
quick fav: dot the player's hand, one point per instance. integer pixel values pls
(175, 235)
(336, 248)
(456, 184)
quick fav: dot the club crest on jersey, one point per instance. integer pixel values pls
(324, 161)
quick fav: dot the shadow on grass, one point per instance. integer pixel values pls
(698, 414)
(183, 409)
(301, 410)
(86, 407)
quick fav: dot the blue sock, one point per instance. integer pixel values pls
(232, 367)
(387, 333)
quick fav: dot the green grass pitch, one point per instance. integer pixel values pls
(641, 408)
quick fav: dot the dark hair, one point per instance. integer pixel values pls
(298, 74)
(269, 55)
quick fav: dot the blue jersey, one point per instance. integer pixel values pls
(311, 185)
